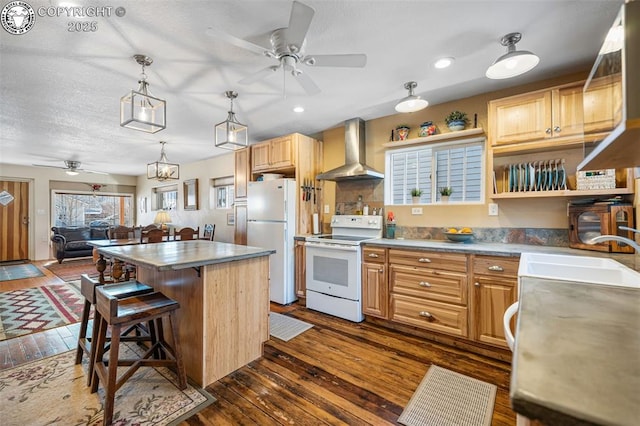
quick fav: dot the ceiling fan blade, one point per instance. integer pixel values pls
(53, 167)
(299, 22)
(356, 60)
(307, 83)
(259, 75)
(215, 33)
(91, 171)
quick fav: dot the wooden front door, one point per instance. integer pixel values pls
(14, 222)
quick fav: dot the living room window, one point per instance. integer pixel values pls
(89, 209)
(428, 168)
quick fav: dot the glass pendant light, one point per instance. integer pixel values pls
(231, 134)
(163, 170)
(514, 62)
(139, 109)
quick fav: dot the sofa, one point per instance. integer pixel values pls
(71, 241)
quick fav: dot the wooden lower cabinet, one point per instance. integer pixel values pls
(494, 289)
(300, 272)
(456, 294)
(240, 230)
(375, 289)
(436, 316)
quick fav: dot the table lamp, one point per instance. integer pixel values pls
(162, 217)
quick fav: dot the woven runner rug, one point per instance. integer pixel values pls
(447, 398)
(72, 269)
(286, 328)
(31, 310)
(18, 272)
(53, 391)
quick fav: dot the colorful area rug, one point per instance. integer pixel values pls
(18, 272)
(72, 269)
(39, 308)
(53, 391)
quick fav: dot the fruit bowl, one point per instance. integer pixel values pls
(459, 237)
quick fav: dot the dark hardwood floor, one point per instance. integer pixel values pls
(338, 372)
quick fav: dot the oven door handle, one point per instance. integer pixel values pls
(331, 246)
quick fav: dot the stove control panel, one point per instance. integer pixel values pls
(356, 221)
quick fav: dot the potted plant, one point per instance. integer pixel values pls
(445, 192)
(402, 132)
(456, 120)
(415, 195)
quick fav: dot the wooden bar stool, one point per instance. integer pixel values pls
(123, 313)
(88, 289)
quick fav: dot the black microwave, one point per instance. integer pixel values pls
(589, 221)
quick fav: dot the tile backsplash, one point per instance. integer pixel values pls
(532, 236)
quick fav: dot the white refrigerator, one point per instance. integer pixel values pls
(271, 223)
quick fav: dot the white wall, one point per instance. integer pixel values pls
(205, 171)
(40, 199)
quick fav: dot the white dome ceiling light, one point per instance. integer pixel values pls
(411, 103)
(514, 62)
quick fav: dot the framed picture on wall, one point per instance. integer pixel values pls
(231, 219)
(190, 190)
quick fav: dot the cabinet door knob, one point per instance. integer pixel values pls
(425, 314)
(373, 255)
(496, 268)
(424, 260)
(548, 130)
(476, 284)
(556, 129)
(380, 270)
(424, 284)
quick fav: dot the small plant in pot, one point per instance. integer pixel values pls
(415, 195)
(456, 120)
(445, 193)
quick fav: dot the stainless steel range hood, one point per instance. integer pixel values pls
(355, 155)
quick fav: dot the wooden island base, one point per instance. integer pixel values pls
(223, 318)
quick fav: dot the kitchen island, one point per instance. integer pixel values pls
(577, 355)
(223, 291)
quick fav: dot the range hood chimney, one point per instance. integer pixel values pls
(355, 150)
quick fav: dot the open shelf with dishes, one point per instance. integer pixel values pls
(440, 137)
(552, 174)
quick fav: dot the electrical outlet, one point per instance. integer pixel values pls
(326, 208)
(416, 210)
(493, 209)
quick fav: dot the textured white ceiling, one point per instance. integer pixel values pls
(60, 90)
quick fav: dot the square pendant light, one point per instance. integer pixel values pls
(231, 134)
(163, 170)
(139, 109)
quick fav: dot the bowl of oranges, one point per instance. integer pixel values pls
(462, 235)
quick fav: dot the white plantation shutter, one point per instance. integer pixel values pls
(457, 165)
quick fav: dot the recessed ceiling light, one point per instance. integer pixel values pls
(298, 109)
(443, 63)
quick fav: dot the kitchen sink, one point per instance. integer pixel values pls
(593, 270)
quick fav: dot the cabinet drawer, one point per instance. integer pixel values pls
(374, 254)
(436, 316)
(496, 266)
(430, 284)
(426, 259)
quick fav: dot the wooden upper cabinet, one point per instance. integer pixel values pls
(274, 154)
(520, 118)
(558, 115)
(602, 105)
(242, 172)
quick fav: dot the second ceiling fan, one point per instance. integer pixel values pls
(288, 47)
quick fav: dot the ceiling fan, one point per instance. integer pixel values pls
(288, 47)
(72, 168)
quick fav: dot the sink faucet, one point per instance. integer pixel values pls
(625, 240)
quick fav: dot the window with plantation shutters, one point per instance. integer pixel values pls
(429, 168)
